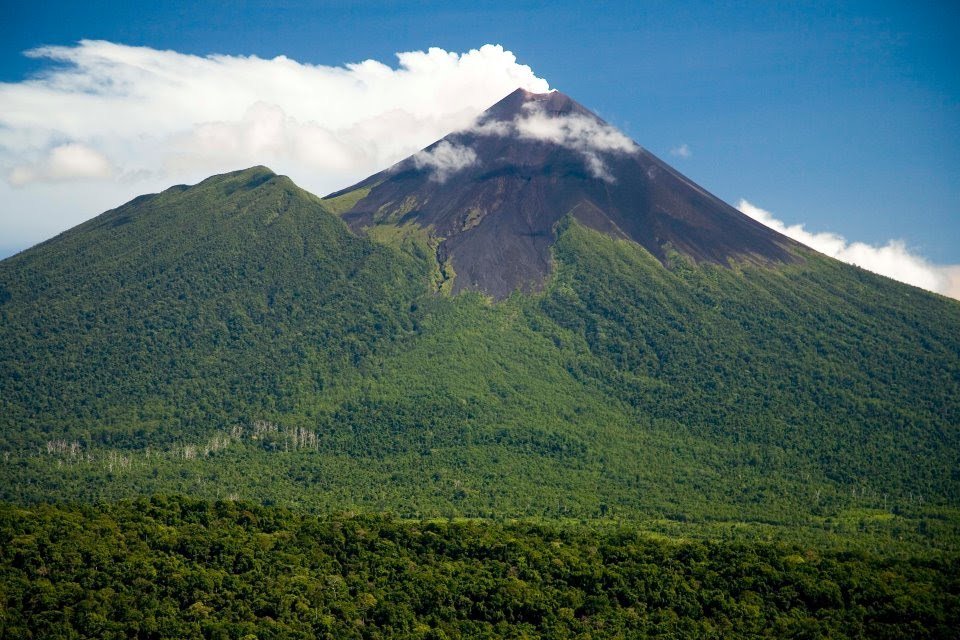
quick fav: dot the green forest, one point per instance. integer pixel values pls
(178, 568)
(677, 449)
(236, 339)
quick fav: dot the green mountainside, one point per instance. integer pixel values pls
(553, 390)
(648, 445)
(183, 312)
(236, 339)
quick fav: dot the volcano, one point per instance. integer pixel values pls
(492, 195)
(532, 319)
(533, 316)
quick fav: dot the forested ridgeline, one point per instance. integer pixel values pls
(168, 567)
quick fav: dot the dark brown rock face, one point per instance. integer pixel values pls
(493, 194)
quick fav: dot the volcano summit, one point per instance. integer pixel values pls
(492, 195)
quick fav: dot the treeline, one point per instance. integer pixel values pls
(171, 567)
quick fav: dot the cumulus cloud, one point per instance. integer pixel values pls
(140, 119)
(64, 162)
(893, 259)
(445, 159)
(683, 151)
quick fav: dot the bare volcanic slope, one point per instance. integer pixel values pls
(491, 196)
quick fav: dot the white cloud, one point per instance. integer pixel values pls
(64, 162)
(683, 151)
(584, 134)
(445, 159)
(573, 130)
(154, 118)
(893, 259)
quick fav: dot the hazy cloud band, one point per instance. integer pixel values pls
(893, 259)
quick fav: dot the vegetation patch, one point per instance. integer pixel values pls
(178, 568)
(344, 202)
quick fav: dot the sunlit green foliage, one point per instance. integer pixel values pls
(345, 202)
(176, 568)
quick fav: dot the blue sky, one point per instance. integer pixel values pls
(843, 116)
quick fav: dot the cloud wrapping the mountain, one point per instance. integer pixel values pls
(140, 119)
(578, 132)
(572, 130)
(893, 259)
(445, 159)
